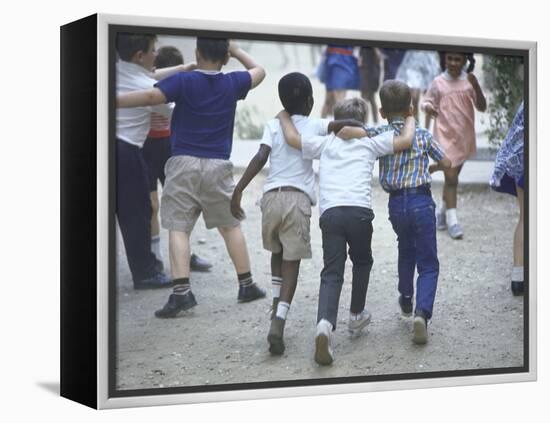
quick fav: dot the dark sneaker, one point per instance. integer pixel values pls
(275, 336)
(420, 328)
(176, 304)
(250, 293)
(406, 305)
(323, 348)
(158, 280)
(274, 307)
(517, 288)
(198, 264)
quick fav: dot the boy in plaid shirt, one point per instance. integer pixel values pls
(406, 177)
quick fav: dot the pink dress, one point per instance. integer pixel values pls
(454, 100)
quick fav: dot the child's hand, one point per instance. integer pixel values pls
(350, 132)
(236, 210)
(233, 47)
(429, 109)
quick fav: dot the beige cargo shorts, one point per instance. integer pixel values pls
(286, 218)
(194, 185)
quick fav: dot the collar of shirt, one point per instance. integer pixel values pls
(208, 72)
(448, 76)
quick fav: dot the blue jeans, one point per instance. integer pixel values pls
(413, 219)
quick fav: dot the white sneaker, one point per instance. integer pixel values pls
(356, 325)
(420, 327)
(323, 349)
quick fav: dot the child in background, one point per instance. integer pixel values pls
(345, 176)
(199, 175)
(451, 100)
(406, 177)
(289, 192)
(156, 152)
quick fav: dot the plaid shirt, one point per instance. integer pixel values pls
(409, 168)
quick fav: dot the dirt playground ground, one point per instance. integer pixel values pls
(477, 323)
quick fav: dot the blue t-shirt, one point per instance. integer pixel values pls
(204, 115)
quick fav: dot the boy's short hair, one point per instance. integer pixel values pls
(294, 90)
(395, 96)
(353, 108)
(213, 49)
(168, 56)
(129, 44)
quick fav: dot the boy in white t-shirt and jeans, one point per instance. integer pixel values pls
(288, 194)
(345, 176)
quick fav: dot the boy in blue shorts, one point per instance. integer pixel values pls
(199, 175)
(406, 177)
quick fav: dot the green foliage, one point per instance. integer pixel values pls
(248, 124)
(504, 78)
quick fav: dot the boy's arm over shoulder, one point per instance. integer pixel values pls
(257, 72)
(404, 140)
(151, 97)
(290, 133)
(436, 153)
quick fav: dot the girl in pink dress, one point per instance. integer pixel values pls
(451, 100)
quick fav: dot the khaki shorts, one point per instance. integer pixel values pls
(194, 185)
(286, 217)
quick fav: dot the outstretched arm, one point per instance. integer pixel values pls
(257, 73)
(337, 125)
(141, 98)
(163, 73)
(256, 164)
(291, 134)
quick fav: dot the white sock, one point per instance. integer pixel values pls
(276, 282)
(451, 217)
(155, 246)
(353, 316)
(517, 273)
(443, 206)
(282, 310)
(325, 322)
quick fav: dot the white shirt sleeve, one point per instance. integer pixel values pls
(382, 144)
(268, 135)
(323, 126)
(312, 147)
(164, 109)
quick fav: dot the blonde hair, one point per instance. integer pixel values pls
(353, 108)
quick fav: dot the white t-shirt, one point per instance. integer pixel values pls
(345, 167)
(133, 124)
(287, 167)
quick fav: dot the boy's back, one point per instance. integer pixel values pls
(204, 115)
(408, 168)
(287, 166)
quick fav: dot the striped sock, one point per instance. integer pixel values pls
(276, 282)
(245, 279)
(181, 286)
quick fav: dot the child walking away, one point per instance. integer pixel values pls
(199, 175)
(405, 176)
(156, 152)
(345, 176)
(451, 100)
(289, 192)
(509, 177)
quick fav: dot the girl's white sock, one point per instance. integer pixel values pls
(451, 217)
(443, 206)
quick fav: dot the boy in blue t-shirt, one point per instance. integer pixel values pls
(199, 175)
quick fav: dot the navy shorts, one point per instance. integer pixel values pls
(156, 152)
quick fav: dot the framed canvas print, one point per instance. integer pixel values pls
(254, 211)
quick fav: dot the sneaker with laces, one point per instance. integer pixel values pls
(198, 264)
(420, 328)
(323, 349)
(275, 336)
(176, 304)
(356, 325)
(406, 305)
(250, 293)
(455, 231)
(441, 219)
(158, 280)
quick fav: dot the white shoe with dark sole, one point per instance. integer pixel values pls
(323, 350)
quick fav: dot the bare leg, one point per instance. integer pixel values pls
(373, 107)
(450, 187)
(331, 98)
(518, 234)
(236, 247)
(276, 263)
(179, 254)
(415, 94)
(290, 280)
(155, 227)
